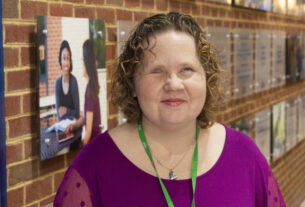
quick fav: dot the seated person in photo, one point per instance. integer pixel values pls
(66, 87)
(92, 115)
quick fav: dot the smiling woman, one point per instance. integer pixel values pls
(66, 87)
(172, 152)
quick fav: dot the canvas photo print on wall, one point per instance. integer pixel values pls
(72, 83)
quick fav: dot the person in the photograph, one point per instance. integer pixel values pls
(172, 152)
(66, 87)
(92, 114)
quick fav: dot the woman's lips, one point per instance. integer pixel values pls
(173, 101)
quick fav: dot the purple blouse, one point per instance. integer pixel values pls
(93, 106)
(102, 176)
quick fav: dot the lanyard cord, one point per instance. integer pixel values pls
(194, 164)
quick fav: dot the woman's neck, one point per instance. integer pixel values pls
(66, 78)
(174, 140)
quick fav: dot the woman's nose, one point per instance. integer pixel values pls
(173, 83)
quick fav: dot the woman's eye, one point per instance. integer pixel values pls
(187, 70)
(157, 71)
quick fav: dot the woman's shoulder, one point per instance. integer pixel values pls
(89, 155)
(73, 79)
(58, 81)
(243, 144)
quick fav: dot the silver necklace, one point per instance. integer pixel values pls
(172, 175)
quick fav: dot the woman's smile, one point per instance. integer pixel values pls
(173, 101)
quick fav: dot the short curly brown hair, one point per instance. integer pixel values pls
(133, 52)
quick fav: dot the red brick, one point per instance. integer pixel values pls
(201, 22)
(132, 3)
(51, 165)
(30, 102)
(23, 125)
(115, 2)
(70, 157)
(147, 4)
(10, 8)
(28, 56)
(12, 105)
(22, 172)
(106, 14)
(13, 152)
(99, 2)
(161, 5)
(19, 33)
(57, 179)
(111, 34)
(31, 148)
(15, 197)
(109, 88)
(38, 189)
(222, 13)
(74, 1)
(124, 15)
(139, 16)
(113, 109)
(21, 80)
(205, 10)
(61, 10)
(174, 6)
(10, 57)
(218, 23)
(210, 23)
(112, 123)
(186, 7)
(214, 12)
(33, 205)
(110, 70)
(195, 9)
(226, 24)
(47, 201)
(32, 9)
(110, 52)
(87, 12)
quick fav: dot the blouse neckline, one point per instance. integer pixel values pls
(140, 171)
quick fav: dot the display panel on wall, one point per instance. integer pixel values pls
(71, 67)
(244, 125)
(278, 59)
(221, 1)
(219, 37)
(262, 60)
(243, 62)
(264, 5)
(278, 130)
(123, 31)
(295, 55)
(263, 132)
(301, 119)
(291, 124)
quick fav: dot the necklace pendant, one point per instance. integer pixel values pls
(172, 175)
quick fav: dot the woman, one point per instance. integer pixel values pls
(66, 87)
(172, 152)
(92, 114)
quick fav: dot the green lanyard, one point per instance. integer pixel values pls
(194, 164)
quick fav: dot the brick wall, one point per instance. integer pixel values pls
(32, 182)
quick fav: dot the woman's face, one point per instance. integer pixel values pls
(170, 82)
(65, 62)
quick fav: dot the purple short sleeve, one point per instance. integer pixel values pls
(73, 191)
